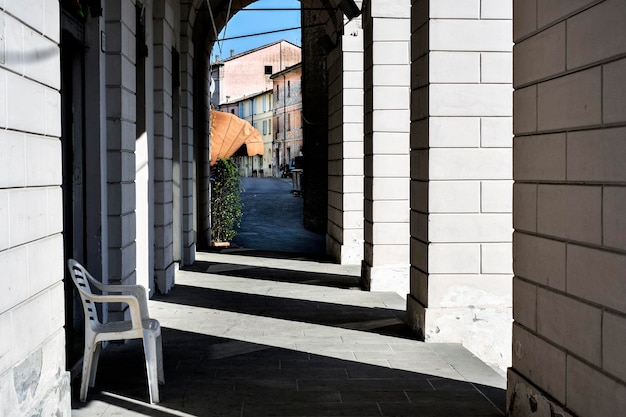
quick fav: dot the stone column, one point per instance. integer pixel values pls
(387, 90)
(187, 53)
(164, 40)
(121, 137)
(461, 175)
(344, 240)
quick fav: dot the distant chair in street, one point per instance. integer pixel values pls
(140, 326)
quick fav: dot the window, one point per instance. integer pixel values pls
(268, 70)
(240, 109)
(288, 88)
(264, 103)
(232, 111)
(277, 92)
(265, 127)
(269, 128)
(277, 127)
(288, 121)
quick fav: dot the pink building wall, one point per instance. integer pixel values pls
(250, 71)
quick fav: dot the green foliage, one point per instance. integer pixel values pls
(226, 206)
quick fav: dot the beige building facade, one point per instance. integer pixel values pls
(439, 112)
(287, 126)
(256, 109)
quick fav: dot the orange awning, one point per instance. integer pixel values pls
(229, 133)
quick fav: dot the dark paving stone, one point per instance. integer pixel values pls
(364, 385)
(462, 402)
(374, 396)
(443, 384)
(321, 409)
(276, 396)
(293, 374)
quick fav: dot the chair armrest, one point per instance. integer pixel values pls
(138, 291)
(131, 300)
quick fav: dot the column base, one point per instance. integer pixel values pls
(189, 254)
(393, 277)
(164, 279)
(523, 399)
(485, 331)
(344, 254)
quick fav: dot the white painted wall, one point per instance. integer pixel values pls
(33, 379)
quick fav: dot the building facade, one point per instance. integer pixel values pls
(287, 117)
(104, 158)
(256, 109)
(250, 71)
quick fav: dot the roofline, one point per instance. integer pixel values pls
(286, 70)
(239, 55)
(246, 97)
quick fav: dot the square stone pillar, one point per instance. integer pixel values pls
(461, 138)
(121, 119)
(344, 240)
(164, 67)
(387, 120)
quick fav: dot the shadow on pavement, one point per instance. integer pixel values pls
(375, 320)
(276, 274)
(210, 376)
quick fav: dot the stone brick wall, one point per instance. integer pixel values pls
(33, 379)
(569, 205)
(461, 174)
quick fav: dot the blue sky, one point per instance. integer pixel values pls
(252, 22)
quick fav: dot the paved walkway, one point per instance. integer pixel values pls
(264, 333)
(272, 218)
(259, 336)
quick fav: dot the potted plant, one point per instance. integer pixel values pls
(226, 205)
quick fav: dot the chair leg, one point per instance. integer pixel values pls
(150, 352)
(94, 364)
(159, 351)
(87, 369)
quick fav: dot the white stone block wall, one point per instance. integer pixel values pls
(33, 379)
(121, 137)
(345, 153)
(461, 171)
(569, 205)
(387, 120)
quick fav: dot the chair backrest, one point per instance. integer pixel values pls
(80, 277)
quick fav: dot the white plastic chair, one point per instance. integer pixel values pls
(140, 326)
